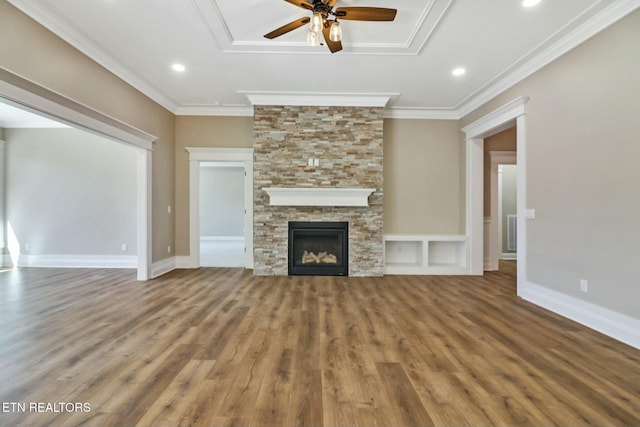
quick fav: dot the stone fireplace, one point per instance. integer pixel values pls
(301, 147)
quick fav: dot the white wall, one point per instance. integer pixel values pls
(221, 201)
(69, 192)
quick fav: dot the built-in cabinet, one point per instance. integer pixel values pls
(425, 254)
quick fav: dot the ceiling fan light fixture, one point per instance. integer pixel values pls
(335, 33)
(313, 39)
(316, 22)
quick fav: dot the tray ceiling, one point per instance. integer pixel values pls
(221, 44)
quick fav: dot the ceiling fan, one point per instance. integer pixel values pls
(325, 19)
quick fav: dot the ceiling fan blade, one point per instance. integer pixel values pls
(366, 13)
(333, 46)
(288, 27)
(330, 3)
(301, 3)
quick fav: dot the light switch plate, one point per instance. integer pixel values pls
(530, 213)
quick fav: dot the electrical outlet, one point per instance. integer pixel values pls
(27, 247)
(124, 247)
(584, 286)
(169, 249)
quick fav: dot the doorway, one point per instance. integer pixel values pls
(493, 220)
(32, 97)
(510, 114)
(507, 211)
(229, 157)
(222, 240)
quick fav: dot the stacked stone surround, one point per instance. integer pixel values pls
(348, 142)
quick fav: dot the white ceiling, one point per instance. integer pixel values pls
(409, 60)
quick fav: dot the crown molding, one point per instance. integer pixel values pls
(580, 34)
(574, 38)
(421, 113)
(389, 113)
(70, 35)
(497, 120)
(213, 110)
(319, 99)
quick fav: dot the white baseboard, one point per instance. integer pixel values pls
(613, 324)
(186, 262)
(489, 265)
(509, 255)
(74, 261)
(164, 266)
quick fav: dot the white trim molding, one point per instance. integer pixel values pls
(209, 154)
(608, 322)
(500, 119)
(164, 266)
(319, 99)
(53, 105)
(492, 123)
(564, 41)
(215, 110)
(520, 71)
(319, 196)
(73, 261)
(421, 113)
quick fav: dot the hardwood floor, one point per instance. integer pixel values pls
(219, 347)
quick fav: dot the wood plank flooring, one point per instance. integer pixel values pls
(219, 347)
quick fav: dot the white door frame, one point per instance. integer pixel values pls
(494, 122)
(207, 154)
(45, 102)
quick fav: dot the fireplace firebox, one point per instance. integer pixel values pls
(318, 248)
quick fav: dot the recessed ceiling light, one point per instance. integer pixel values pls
(179, 68)
(530, 3)
(458, 71)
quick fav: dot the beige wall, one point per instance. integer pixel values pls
(422, 162)
(422, 171)
(31, 51)
(582, 170)
(201, 131)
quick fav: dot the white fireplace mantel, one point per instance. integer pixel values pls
(297, 196)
